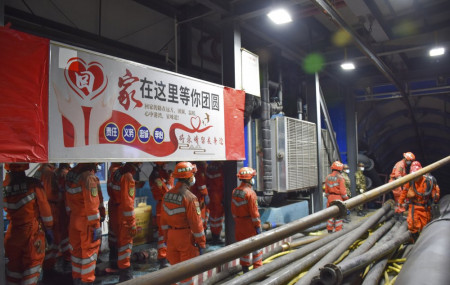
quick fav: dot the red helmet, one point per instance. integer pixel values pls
(337, 165)
(184, 170)
(246, 173)
(409, 156)
(415, 166)
(17, 166)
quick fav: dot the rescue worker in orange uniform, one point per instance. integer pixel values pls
(180, 219)
(46, 174)
(214, 183)
(161, 181)
(113, 203)
(422, 192)
(82, 197)
(62, 228)
(335, 190)
(244, 207)
(400, 169)
(30, 215)
(201, 192)
(123, 177)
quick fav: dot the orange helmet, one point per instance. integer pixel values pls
(415, 166)
(337, 165)
(17, 166)
(184, 170)
(246, 173)
(409, 156)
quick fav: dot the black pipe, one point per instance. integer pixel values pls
(342, 247)
(429, 260)
(374, 275)
(265, 131)
(369, 170)
(333, 274)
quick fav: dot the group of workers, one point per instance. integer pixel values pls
(418, 196)
(58, 213)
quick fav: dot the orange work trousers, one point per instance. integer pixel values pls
(124, 244)
(25, 250)
(162, 247)
(180, 247)
(113, 228)
(52, 251)
(334, 224)
(215, 216)
(418, 218)
(61, 231)
(244, 229)
(83, 249)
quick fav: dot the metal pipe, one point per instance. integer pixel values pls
(333, 274)
(210, 260)
(265, 130)
(429, 259)
(330, 128)
(262, 271)
(344, 245)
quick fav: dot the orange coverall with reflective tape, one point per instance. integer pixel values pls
(113, 190)
(244, 207)
(160, 183)
(182, 226)
(214, 183)
(335, 190)
(200, 191)
(126, 216)
(398, 171)
(82, 196)
(419, 214)
(27, 208)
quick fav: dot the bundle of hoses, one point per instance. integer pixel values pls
(328, 249)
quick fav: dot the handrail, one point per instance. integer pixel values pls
(218, 257)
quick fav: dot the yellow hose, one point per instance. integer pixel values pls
(394, 269)
(393, 280)
(293, 281)
(269, 259)
(366, 271)
(344, 255)
(386, 278)
(400, 260)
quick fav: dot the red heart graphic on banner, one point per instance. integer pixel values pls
(195, 122)
(87, 80)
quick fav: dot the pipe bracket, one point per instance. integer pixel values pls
(342, 208)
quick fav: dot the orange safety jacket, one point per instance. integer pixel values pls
(335, 187)
(199, 189)
(160, 184)
(244, 204)
(26, 201)
(112, 188)
(398, 171)
(127, 194)
(182, 211)
(47, 175)
(421, 191)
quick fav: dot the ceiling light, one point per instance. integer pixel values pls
(437, 51)
(279, 16)
(348, 65)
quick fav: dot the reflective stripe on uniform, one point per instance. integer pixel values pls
(85, 270)
(201, 187)
(32, 271)
(215, 219)
(50, 255)
(74, 190)
(115, 187)
(164, 227)
(47, 219)
(212, 176)
(30, 281)
(128, 213)
(255, 220)
(333, 185)
(175, 211)
(161, 238)
(238, 204)
(245, 258)
(84, 261)
(123, 256)
(65, 248)
(197, 235)
(13, 274)
(22, 186)
(215, 225)
(257, 256)
(161, 245)
(125, 247)
(93, 217)
(21, 202)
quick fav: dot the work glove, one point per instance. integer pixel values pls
(207, 200)
(97, 234)
(102, 214)
(258, 230)
(49, 236)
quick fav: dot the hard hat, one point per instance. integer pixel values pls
(345, 166)
(184, 169)
(246, 173)
(415, 166)
(409, 156)
(17, 166)
(337, 165)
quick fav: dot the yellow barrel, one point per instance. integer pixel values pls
(143, 216)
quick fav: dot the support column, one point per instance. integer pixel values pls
(2, 226)
(231, 76)
(313, 103)
(352, 137)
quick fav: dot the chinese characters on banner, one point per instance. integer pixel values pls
(105, 108)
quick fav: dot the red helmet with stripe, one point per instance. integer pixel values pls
(246, 173)
(337, 165)
(415, 166)
(409, 156)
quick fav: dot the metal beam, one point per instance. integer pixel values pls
(214, 5)
(384, 69)
(159, 6)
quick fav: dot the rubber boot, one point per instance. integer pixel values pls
(163, 263)
(113, 257)
(245, 269)
(49, 275)
(330, 231)
(125, 274)
(216, 239)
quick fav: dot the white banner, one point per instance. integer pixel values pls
(250, 73)
(103, 108)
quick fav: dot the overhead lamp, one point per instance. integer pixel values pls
(348, 65)
(437, 51)
(279, 16)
